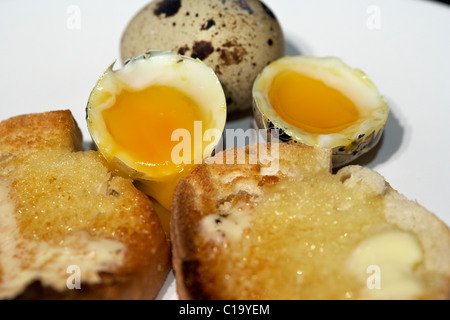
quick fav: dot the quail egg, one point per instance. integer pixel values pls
(322, 102)
(156, 118)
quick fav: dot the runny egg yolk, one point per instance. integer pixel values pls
(142, 122)
(310, 104)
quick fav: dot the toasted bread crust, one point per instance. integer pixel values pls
(182, 232)
(44, 144)
(24, 134)
(205, 190)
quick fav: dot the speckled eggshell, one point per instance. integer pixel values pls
(236, 38)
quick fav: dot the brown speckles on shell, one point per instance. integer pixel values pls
(167, 7)
(232, 53)
(208, 24)
(217, 70)
(202, 49)
(183, 50)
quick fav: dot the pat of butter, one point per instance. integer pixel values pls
(228, 228)
(385, 263)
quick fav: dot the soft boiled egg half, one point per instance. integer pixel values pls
(149, 119)
(321, 102)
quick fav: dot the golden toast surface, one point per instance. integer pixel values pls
(296, 233)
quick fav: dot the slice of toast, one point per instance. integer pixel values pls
(297, 231)
(70, 229)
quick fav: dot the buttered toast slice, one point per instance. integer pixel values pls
(69, 229)
(289, 229)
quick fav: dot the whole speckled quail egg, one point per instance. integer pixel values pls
(236, 38)
(321, 102)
